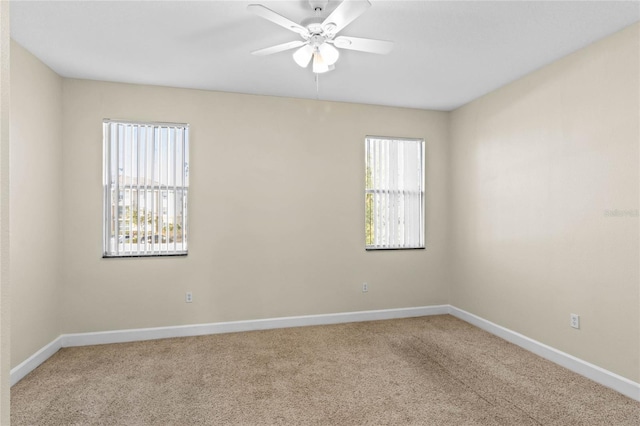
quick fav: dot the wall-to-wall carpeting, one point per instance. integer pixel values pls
(434, 370)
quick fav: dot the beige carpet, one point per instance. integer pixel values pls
(420, 371)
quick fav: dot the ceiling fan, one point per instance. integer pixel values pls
(319, 37)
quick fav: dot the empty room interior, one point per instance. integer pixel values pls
(312, 212)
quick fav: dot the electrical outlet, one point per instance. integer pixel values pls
(188, 297)
(574, 321)
(365, 287)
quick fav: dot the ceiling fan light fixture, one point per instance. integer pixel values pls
(319, 65)
(320, 41)
(329, 53)
(303, 55)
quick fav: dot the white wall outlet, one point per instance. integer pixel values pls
(365, 287)
(574, 321)
(188, 297)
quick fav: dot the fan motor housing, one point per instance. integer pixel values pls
(315, 28)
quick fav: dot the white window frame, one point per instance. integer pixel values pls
(394, 193)
(145, 172)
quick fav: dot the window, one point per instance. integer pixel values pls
(394, 193)
(146, 186)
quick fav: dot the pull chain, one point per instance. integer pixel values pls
(318, 11)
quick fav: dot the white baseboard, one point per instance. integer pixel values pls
(591, 371)
(120, 336)
(597, 374)
(28, 365)
(132, 335)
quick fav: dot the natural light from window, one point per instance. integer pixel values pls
(394, 193)
(146, 184)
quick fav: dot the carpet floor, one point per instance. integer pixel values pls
(433, 370)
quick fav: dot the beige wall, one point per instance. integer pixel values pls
(35, 204)
(5, 306)
(535, 167)
(276, 219)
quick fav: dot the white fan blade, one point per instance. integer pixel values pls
(276, 18)
(278, 48)
(344, 14)
(381, 47)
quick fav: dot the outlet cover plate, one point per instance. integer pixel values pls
(574, 321)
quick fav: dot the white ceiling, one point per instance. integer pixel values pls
(446, 53)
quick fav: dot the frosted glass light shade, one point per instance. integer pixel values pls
(303, 55)
(329, 53)
(319, 65)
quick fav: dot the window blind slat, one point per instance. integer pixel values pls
(385, 175)
(175, 193)
(182, 205)
(394, 171)
(406, 199)
(165, 198)
(381, 211)
(148, 200)
(376, 198)
(411, 182)
(185, 185)
(161, 190)
(117, 179)
(421, 183)
(106, 183)
(139, 195)
(154, 182)
(391, 174)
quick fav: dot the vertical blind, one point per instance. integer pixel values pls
(146, 182)
(394, 193)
